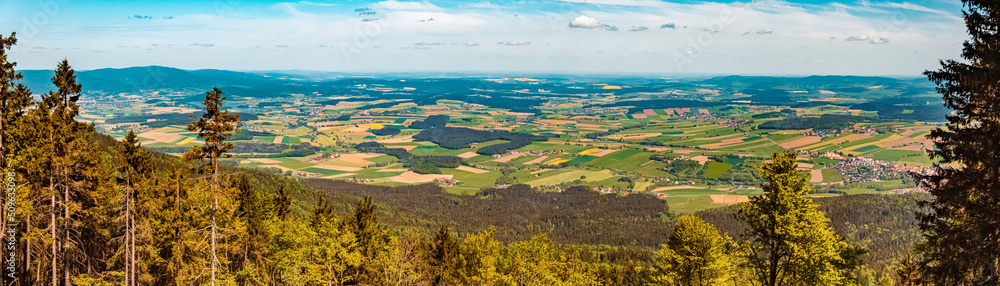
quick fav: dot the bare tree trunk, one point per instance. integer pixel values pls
(3, 151)
(132, 215)
(179, 218)
(27, 247)
(128, 233)
(52, 227)
(215, 207)
(52, 194)
(65, 240)
(127, 269)
(215, 257)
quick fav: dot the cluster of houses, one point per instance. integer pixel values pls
(305, 174)
(734, 123)
(447, 182)
(861, 169)
(131, 126)
(835, 132)
(359, 181)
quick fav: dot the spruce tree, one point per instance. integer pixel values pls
(136, 167)
(215, 126)
(372, 237)
(67, 157)
(962, 227)
(14, 101)
(788, 240)
(441, 255)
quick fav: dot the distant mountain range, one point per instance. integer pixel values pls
(136, 79)
(140, 79)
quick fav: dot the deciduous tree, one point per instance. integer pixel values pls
(695, 254)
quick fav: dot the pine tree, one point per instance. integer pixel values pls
(14, 101)
(695, 254)
(136, 168)
(789, 241)
(372, 237)
(909, 272)
(962, 227)
(441, 255)
(282, 203)
(215, 127)
(254, 212)
(67, 158)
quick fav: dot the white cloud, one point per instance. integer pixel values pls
(515, 43)
(470, 44)
(858, 38)
(638, 28)
(584, 22)
(429, 44)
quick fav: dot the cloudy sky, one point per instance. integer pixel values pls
(803, 37)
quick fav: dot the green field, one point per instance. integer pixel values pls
(325, 172)
(897, 155)
(560, 176)
(831, 176)
(865, 149)
(715, 170)
(580, 160)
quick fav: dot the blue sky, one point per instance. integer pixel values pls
(570, 36)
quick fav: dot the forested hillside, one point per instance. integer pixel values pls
(106, 212)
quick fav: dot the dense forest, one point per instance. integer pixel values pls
(822, 122)
(419, 164)
(461, 137)
(86, 209)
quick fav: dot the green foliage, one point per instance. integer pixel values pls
(961, 224)
(432, 121)
(788, 240)
(460, 137)
(695, 254)
(387, 131)
(441, 255)
(477, 260)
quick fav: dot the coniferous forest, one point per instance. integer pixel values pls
(83, 208)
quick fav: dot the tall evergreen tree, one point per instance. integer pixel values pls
(215, 127)
(136, 168)
(372, 237)
(789, 241)
(253, 212)
(14, 101)
(67, 158)
(962, 227)
(441, 255)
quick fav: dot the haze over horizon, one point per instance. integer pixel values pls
(561, 37)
